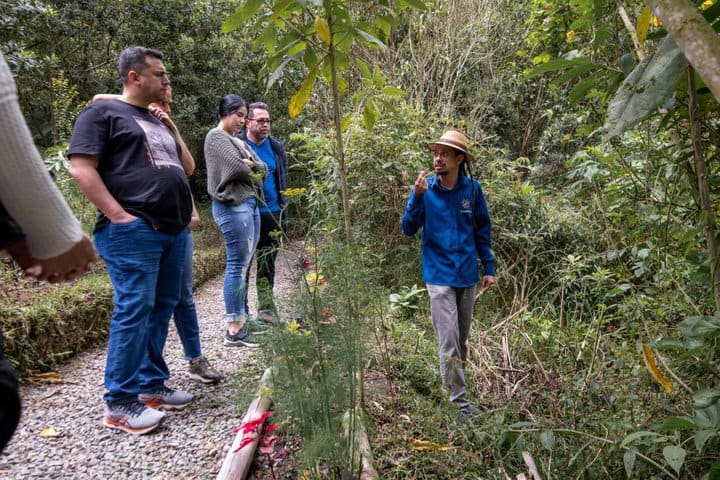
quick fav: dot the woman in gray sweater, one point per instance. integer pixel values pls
(235, 179)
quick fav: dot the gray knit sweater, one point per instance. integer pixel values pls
(26, 189)
(229, 180)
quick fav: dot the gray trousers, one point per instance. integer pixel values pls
(451, 309)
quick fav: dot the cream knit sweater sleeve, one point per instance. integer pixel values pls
(26, 189)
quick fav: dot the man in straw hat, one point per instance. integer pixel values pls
(451, 210)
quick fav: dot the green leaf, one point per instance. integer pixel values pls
(363, 67)
(384, 24)
(557, 64)
(667, 344)
(547, 439)
(267, 39)
(275, 74)
(393, 91)
(370, 115)
(629, 461)
(708, 418)
(701, 438)
(637, 435)
(649, 85)
(344, 125)
(699, 327)
(370, 39)
(671, 424)
(580, 89)
(705, 397)
(575, 72)
(419, 4)
(310, 59)
(674, 456)
(244, 11)
(296, 49)
(300, 98)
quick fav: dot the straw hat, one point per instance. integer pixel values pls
(456, 140)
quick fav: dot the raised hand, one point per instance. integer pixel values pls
(421, 184)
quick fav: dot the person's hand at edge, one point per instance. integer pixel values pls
(487, 282)
(67, 266)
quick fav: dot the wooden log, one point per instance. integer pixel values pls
(534, 474)
(237, 464)
(362, 454)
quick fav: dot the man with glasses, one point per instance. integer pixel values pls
(128, 163)
(273, 214)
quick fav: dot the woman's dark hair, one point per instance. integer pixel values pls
(229, 104)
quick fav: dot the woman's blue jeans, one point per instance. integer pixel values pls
(240, 225)
(145, 268)
(185, 314)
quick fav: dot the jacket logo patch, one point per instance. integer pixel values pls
(465, 204)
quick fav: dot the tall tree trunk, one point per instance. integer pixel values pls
(706, 211)
(338, 135)
(694, 36)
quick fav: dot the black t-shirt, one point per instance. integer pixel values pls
(139, 163)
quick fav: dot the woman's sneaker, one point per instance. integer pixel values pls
(132, 417)
(166, 399)
(241, 338)
(201, 370)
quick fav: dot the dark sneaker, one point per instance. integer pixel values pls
(201, 370)
(166, 399)
(241, 338)
(132, 417)
(470, 410)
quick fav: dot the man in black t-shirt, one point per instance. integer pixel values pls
(127, 162)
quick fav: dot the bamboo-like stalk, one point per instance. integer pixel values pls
(236, 465)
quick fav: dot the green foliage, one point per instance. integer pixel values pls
(319, 36)
(319, 359)
(63, 53)
(381, 169)
(407, 301)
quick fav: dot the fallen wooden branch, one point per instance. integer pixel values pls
(362, 455)
(534, 474)
(237, 464)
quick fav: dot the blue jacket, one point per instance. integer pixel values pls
(451, 244)
(281, 169)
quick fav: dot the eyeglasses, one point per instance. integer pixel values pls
(260, 120)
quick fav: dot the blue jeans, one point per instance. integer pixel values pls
(145, 267)
(240, 225)
(185, 314)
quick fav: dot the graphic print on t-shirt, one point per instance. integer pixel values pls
(160, 144)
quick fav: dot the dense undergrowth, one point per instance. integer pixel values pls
(591, 355)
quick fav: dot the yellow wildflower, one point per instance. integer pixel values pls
(570, 35)
(293, 192)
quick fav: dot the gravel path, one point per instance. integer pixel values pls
(190, 444)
